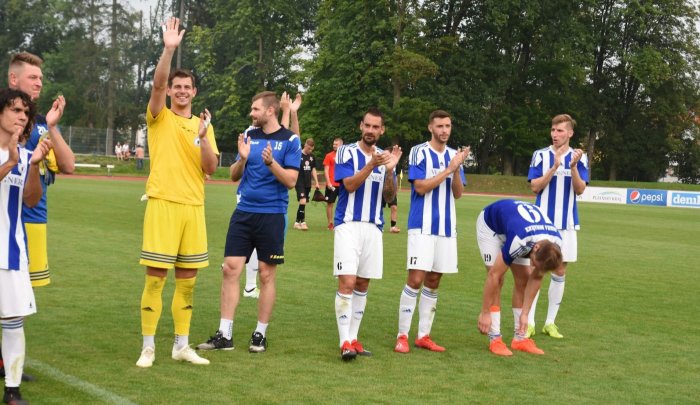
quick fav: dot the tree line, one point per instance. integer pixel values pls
(627, 71)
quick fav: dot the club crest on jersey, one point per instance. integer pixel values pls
(196, 141)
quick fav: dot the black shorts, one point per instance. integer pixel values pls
(390, 203)
(331, 195)
(303, 192)
(264, 232)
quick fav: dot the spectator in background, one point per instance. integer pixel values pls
(331, 184)
(139, 157)
(118, 150)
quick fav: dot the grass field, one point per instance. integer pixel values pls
(630, 316)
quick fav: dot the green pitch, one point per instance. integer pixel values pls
(630, 316)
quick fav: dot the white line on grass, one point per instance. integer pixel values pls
(76, 382)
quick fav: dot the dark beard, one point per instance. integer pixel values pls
(369, 143)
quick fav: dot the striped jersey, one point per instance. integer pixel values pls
(433, 213)
(259, 190)
(13, 247)
(558, 198)
(520, 225)
(365, 203)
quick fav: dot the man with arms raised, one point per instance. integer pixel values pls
(183, 151)
(267, 166)
(365, 173)
(437, 179)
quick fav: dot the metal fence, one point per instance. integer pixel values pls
(95, 141)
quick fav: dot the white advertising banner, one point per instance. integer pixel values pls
(604, 195)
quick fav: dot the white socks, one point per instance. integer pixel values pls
(495, 330)
(226, 327)
(426, 311)
(343, 313)
(556, 293)
(262, 328)
(13, 350)
(554, 296)
(359, 301)
(407, 305)
(251, 272)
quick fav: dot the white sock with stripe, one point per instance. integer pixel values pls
(407, 305)
(343, 313)
(556, 294)
(426, 311)
(359, 301)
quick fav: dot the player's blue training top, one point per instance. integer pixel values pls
(521, 225)
(38, 214)
(13, 249)
(433, 213)
(558, 199)
(259, 190)
(365, 203)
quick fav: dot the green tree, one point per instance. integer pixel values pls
(349, 71)
(239, 48)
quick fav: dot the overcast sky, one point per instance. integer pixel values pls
(143, 5)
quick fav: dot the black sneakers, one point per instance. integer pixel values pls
(12, 396)
(217, 342)
(258, 343)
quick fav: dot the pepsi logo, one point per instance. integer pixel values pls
(635, 196)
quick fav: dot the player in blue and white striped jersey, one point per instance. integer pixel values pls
(437, 179)
(509, 233)
(365, 174)
(558, 174)
(20, 183)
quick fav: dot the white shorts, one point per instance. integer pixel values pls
(16, 294)
(491, 244)
(358, 250)
(431, 252)
(569, 246)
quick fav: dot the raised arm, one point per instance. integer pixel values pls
(538, 184)
(209, 159)
(32, 188)
(288, 177)
(13, 155)
(576, 180)
(172, 36)
(294, 108)
(65, 159)
(424, 186)
(284, 106)
(354, 182)
(236, 169)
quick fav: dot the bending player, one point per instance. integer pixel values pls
(509, 233)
